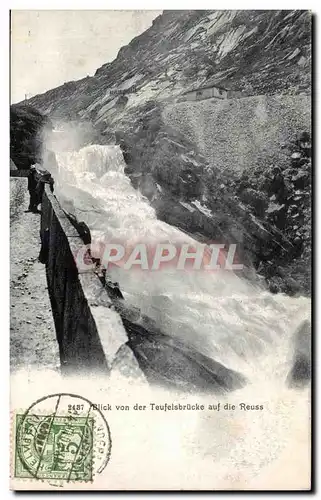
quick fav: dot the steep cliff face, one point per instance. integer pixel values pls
(258, 52)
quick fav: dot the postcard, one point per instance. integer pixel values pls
(160, 250)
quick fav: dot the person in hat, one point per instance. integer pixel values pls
(32, 185)
(37, 179)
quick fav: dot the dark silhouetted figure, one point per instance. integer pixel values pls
(37, 179)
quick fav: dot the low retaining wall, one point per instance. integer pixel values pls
(79, 302)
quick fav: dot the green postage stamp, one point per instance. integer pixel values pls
(54, 447)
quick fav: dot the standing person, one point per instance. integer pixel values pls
(37, 179)
(32, 188)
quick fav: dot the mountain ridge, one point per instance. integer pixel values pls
(257, 52)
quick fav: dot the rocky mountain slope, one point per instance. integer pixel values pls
(235, 134)
(190, 158)
(257, 52)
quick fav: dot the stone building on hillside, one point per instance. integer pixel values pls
(207, 92)
(210, 91)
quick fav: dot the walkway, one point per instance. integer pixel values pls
(32, 333)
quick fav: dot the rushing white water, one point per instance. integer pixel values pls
(219, 314)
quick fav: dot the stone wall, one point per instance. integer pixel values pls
(89, 333)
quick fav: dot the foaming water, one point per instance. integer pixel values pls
(219, 314)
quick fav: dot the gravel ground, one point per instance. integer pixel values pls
(235, 134)
(33, 341)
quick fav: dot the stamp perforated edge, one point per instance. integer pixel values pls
(33, 480)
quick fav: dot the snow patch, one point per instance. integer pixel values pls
(206, 211)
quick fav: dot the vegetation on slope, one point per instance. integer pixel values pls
(26, 127)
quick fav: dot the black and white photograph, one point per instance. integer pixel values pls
(160, 249)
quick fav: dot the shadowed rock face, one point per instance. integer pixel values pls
(26, 127)
(300, 373)
(167, 362)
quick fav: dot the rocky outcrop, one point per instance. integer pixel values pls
(300, 373)
(26, 127)
(285, 188)
(168, 362)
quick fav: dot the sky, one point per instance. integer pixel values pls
(51, 47)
